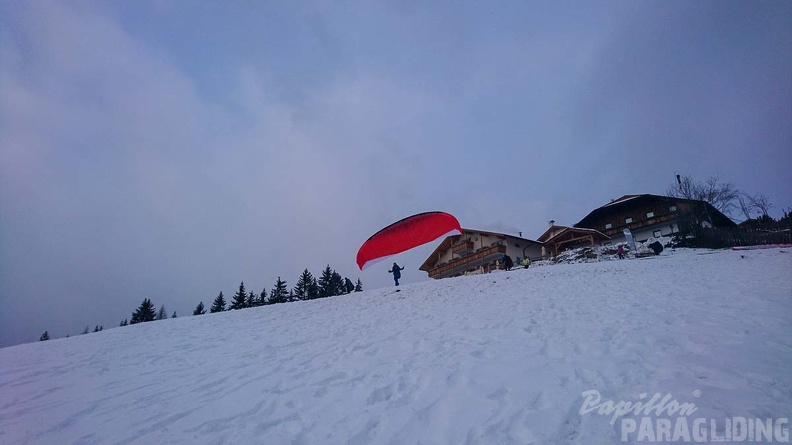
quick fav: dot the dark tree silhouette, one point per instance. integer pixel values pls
(263, 297)
(145, 312)
(240, 298)
(313, 290)
(336, 284)
(219, 304)
(302, 286)
(199, 310)
(252, 299)
(326, 283)
(279, 293)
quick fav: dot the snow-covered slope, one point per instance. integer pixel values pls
(498, 358)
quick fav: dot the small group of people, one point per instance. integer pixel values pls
(508, 263)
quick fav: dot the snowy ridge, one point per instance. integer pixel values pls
(497, 358)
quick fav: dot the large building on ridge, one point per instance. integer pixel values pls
(651, 216)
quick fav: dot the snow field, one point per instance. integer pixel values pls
(496, 358)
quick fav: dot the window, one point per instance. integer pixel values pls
(672, 209)
(627, 220)
(609, 226)
(650, 214)
(657, 234)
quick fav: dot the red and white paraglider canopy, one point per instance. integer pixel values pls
(405, 234)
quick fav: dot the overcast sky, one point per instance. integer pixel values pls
(164, 150)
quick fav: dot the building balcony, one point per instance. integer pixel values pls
(640, 224)
(462, 248)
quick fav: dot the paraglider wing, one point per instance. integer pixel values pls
(405, 234)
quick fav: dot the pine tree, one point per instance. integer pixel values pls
(174, 314)
(219, 304)
(787, 217)
(313, 289)
(145, 312)
(239, 298)
(263, 297)
(96, 329)
(279, 294)
(125, 322)
(359, 286)
(303, 283)
(162, 314)
(252, 299)
(337, 284)
(326, 283)
(199, 310)
(86, 330)
(44, 336)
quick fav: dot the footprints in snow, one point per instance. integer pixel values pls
(381, 395)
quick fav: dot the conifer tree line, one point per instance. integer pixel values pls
(308, 287)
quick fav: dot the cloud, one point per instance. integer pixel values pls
(171, 153)
(135, 185)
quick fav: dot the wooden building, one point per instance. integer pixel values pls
(477, 251)
(651, 216)
(556, 239)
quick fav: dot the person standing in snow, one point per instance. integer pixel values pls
(396, 271)
(507, 262)
(620, 251)
(526, 262)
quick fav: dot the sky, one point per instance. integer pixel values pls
(154, 150)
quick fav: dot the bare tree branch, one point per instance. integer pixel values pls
(745, 206)
(761, 203)
(720, 195)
